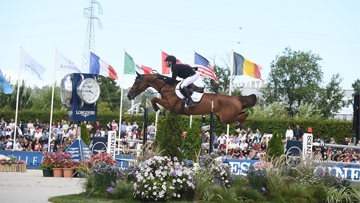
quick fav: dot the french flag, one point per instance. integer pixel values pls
(100, 67)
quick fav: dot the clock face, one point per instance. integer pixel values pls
(89, 91)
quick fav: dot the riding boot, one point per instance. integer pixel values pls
(188, 101)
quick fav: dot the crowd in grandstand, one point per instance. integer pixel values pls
(34, 136)
(243, 144)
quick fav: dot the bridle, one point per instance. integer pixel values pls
(140, 78)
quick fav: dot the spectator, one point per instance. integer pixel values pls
(37, 146)
(222, 141)
(298, 133)
(221, 158)
(38, 134)
(289, 133)
(151, 130)
(114, 126)
(9, 143)
(97, 126)
(123, 129)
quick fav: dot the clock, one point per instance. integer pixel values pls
(66, 90)
(88, 90)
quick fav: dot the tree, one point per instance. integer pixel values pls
(331, 97)
(110, 93)
(273, 110)
(356, 86)
(41, 98)
(9, 101)
(294, 78)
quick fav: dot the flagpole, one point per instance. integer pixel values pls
(120, 111)
(52, 100)
(230, 89)
(17, 96)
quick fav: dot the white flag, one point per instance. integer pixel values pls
(29, 63)
(65, 63)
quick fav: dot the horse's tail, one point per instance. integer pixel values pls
(248, 101)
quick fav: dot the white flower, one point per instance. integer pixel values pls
(178, 195)
(154, 187)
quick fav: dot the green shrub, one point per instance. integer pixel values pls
(168, 136)
(275, 146)
(85, 134)
(192, 143)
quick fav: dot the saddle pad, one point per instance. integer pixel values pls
(196, 96)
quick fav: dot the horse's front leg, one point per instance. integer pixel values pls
(155, 101)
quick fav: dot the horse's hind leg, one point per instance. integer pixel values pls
(242, 117)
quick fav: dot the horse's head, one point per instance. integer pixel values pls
(138, 86)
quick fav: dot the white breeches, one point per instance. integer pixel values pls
(189, 80)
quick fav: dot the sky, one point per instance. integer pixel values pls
(258, 29)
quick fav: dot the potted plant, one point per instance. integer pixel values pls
(47, 165)
(68, 165)
(58, 159)
(11, 164)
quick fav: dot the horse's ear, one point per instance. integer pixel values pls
(138, 74)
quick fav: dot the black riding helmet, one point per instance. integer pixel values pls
(171, 58)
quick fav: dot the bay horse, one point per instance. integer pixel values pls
(228, 109)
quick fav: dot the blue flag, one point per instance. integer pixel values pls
(5, 85)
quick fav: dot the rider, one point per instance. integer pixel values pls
(186, 72)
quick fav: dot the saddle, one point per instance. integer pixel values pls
(192, 88)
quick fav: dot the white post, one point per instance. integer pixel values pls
(17, 96)
(156, 118)
(120, 113)
(52, 100)
(132, 107)
(190, 121)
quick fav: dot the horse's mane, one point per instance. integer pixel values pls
(164, 78)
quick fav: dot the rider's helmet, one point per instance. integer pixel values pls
(171, 58)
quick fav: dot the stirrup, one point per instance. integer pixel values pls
(189, 104)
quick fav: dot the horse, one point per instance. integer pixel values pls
(228, 109)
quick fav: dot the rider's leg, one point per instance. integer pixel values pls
(189, 101)
(185, 91)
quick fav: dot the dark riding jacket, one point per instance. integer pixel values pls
(182, 71)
